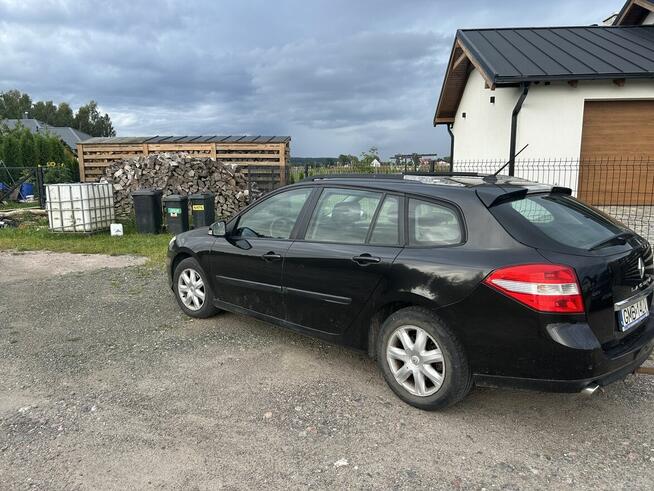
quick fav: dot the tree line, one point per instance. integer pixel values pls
(15, 105)
(19, 147)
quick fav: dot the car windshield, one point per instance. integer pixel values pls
(537, 219)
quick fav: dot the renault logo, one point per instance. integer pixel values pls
(641, 267)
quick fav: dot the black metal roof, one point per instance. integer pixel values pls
(70, 136)
(188, 139)
(510, 56)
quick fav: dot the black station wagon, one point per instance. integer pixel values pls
(445, 280)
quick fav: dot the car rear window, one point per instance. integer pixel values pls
(431, 224)
(550, 219)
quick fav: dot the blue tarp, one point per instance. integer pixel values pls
(26, 189)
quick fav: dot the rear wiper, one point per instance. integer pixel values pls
(617, 238)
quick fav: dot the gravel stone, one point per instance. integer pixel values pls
(105, 384)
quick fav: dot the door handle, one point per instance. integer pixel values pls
(271, 256)
(366, 259)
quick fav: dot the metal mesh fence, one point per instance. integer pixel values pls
(17, 183)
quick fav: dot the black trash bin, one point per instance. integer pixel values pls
(203, 210)
(147, 207)
(176, 211)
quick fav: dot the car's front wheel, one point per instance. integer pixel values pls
(422, 360)
(192, 290)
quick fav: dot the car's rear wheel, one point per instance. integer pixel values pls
(422, 360)
(192, 290)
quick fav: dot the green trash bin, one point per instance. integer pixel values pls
(147, 208)
(176, 212)
(203, 210)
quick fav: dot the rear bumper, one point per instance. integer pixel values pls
(576, 385)
(521, 348)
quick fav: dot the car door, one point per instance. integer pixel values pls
(346, 248)
(247, 262)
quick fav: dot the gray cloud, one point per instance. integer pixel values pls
(338, 76)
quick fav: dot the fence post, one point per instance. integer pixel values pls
(306, 171)
(249, 185)
(40, 183)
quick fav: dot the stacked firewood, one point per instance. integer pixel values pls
(183, 174)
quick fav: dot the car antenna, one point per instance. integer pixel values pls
(493, 177)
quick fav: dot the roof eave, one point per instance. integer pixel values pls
(513, 81)
(476, 61)
(628, 6)
(444, 83)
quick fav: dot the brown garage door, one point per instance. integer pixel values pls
(617, 153)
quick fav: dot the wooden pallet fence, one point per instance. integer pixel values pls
(96, 154)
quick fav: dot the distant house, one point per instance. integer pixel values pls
(69, 136)
(569, 92)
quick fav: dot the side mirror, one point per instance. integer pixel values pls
(218, 229)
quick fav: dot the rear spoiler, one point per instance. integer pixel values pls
(494, 195)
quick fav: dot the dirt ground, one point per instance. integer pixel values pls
(15, 266)
(105, 384)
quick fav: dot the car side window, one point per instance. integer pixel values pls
(386, 230)
(431, 224)
(343, 216)
(274, 217)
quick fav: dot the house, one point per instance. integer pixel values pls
(635, 13)
(579, 93)
(69, 136)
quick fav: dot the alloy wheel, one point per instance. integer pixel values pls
(416, 360)
(190, 289)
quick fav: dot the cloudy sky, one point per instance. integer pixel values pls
(338, 76)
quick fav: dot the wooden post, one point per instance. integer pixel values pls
(282, 163)
(146, 149)
(80, 162)
(214, 153)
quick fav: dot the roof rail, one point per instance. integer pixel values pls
(445, 174)
(353, 176)
(396, 176)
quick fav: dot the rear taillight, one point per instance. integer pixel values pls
(543, 287)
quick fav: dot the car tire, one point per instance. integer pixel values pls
(192, 290)
(414, 375)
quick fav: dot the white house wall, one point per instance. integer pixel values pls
(484, 131)
(550, 121)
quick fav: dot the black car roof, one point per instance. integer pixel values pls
(436, 184)
(490, 189)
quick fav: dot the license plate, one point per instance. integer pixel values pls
(631, 314)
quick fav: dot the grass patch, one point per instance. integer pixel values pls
(12, 205)
(38, 238)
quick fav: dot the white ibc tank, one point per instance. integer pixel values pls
(79, 207)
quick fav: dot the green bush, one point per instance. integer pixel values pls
(58, 174)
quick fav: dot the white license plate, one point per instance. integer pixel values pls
(632, 313)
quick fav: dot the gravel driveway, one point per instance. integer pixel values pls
(104, 384)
